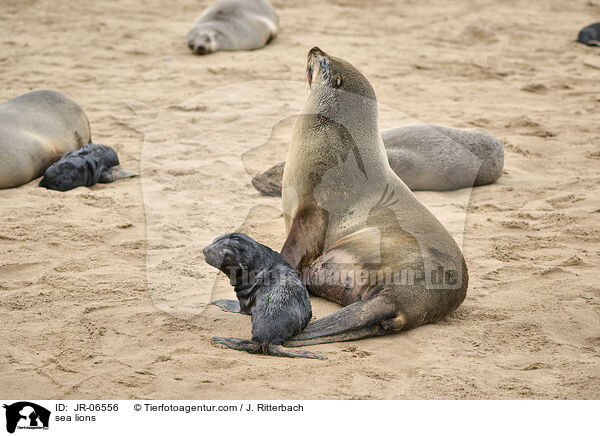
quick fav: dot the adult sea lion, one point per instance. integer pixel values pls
(233, 25)
(267, 288)
(36, 129)
(426, 157)
(91, 164)
(590, 35)
(355, 232)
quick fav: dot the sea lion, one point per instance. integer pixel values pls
(426, 157)
(355, 232)
(267, 288)
(87, 166)
(590, 35)
(233, 25)
(36, 129)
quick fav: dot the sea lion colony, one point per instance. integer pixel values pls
(373, 222)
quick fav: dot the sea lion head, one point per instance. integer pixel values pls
(327, 73)
(202, 39)
(82, 167)
(234, 252)
(65, 175)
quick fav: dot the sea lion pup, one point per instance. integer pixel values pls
(590, 35)
(87, 166)
(36, 129)
(355, 232)
(267, 288)
(426, 157)
(233, 25)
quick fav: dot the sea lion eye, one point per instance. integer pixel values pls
(337, 80)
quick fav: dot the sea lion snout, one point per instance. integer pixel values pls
(227, 251)
(201, 42)
(213, 256)
(63, 176)
(200, 49)
(315, 51)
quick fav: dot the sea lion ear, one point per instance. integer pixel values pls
(114, 173)
(337, 80)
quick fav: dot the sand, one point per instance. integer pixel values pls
(103, 290)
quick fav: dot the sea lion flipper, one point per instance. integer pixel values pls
(306, 237)
(232, 306)
(352, 335)
(352, 317)
(278, 350)
(269, 182)
(238, 344)
(114, 173)
(254, 348)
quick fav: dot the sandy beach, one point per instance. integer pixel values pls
(104, 290)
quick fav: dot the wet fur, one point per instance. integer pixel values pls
(87, 166)
(590, 35)
(267, 288)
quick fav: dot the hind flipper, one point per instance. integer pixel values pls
(114, 173)
(232, 306)
(254, 348)
(278, 350)
(351, 335)
(354, 316)
(238, 344)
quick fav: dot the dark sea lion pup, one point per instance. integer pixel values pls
(590, 35)
(87, 166)
(267, 288)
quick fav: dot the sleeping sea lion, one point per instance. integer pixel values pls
(87, 166)
(36, 129)
(426, 157)
(233, 25)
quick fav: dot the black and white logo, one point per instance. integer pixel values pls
(26, 415)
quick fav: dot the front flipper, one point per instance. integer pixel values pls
(232, 306)
(306, 237)
(254, 348)
(363, 319)
(269, 182)
(114, 173)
